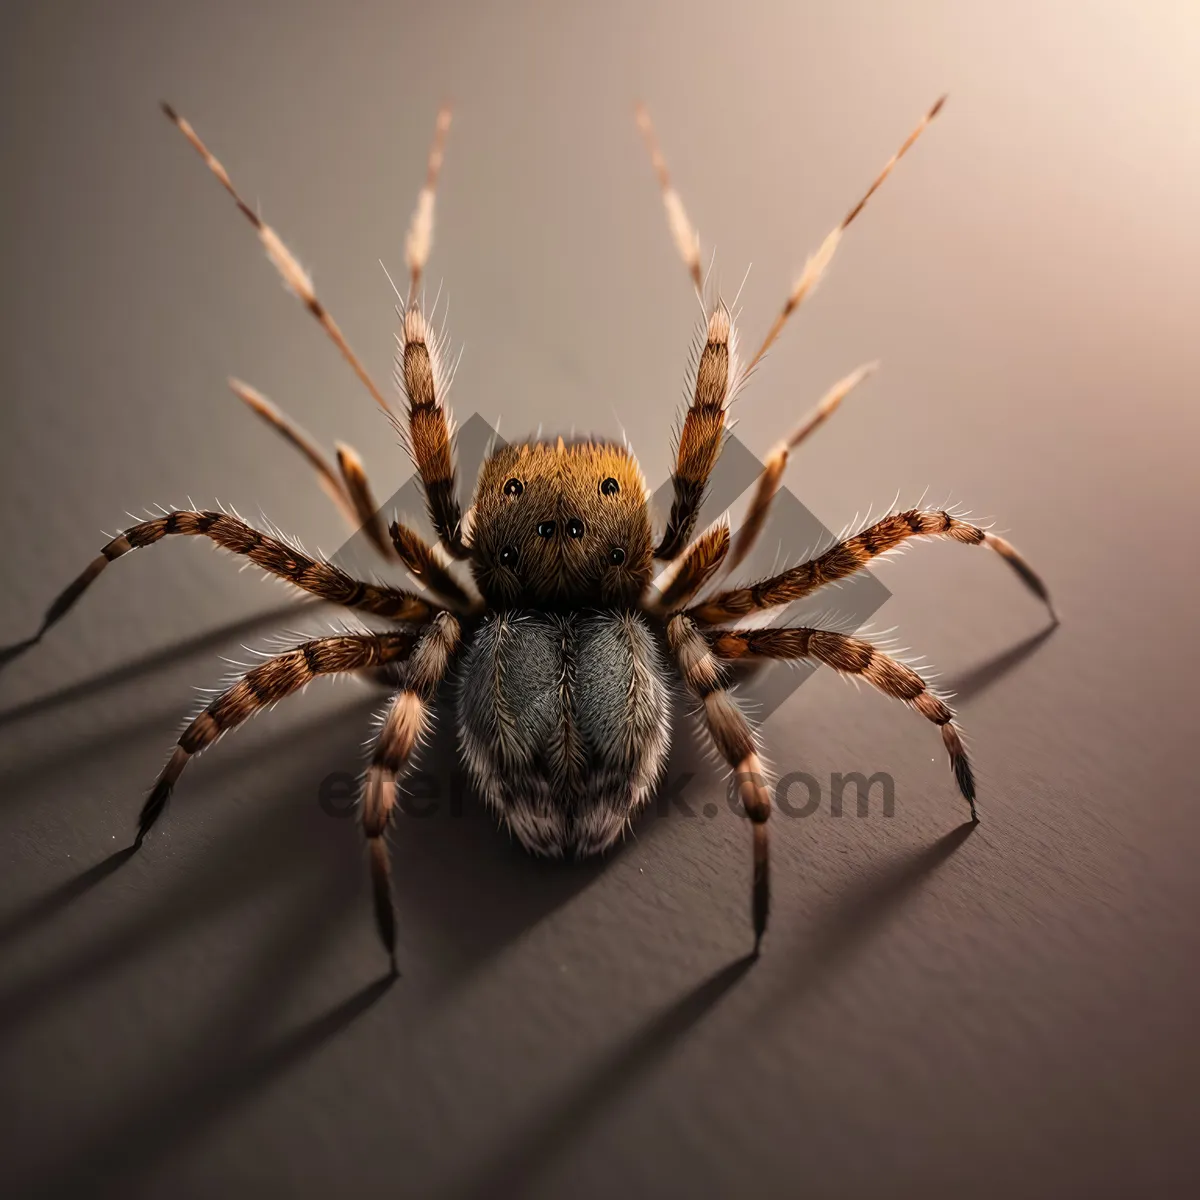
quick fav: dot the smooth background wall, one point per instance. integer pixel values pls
(936, 1012)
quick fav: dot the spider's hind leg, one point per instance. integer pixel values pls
(733, 736)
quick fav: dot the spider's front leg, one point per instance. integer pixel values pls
(404, 725)
(734, 738)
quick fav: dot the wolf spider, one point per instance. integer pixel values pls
(565, 647)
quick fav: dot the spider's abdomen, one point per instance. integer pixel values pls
(564, 723)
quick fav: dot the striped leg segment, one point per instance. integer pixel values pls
(852, 555)
(852, 656)
(420, 371)
(734, 738)
(404, 725)
(273, 556)
(695, 567)
(366, 508)
(703, 430)
(265, 685)
(420, 374)
(421, 560)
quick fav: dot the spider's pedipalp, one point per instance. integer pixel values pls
(296, 279)
(421, 560)
(818, 263)
(694, 568)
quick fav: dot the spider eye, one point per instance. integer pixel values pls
(514, 487)
(610, 487)
(575, 528)
(616, 556)
(508, 556)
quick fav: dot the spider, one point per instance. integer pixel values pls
(565, 646)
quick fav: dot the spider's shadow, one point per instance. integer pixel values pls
(462, 893)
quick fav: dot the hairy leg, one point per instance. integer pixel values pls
(404, 725)
(265, 685)
(732, 735)
(852, 555)
(273, 556)
(422, 561)
(694, 568)
(703, 430)
(852, 656)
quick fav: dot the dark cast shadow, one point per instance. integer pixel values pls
(976, 680)
(530, 1153)
(211, 639)
(860, 912)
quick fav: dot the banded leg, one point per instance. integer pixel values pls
(852, 555)
(420, 558)
(703, 430)
(404, 725)
(420, 370)
(695, 567)
(275, 557)
(732, 735)
(265, 685)
(853, 656)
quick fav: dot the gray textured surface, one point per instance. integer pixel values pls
(1010, 1012)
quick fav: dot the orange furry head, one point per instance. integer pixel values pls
(561, 524)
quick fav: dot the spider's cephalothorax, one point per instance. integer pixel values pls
(565, 651)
